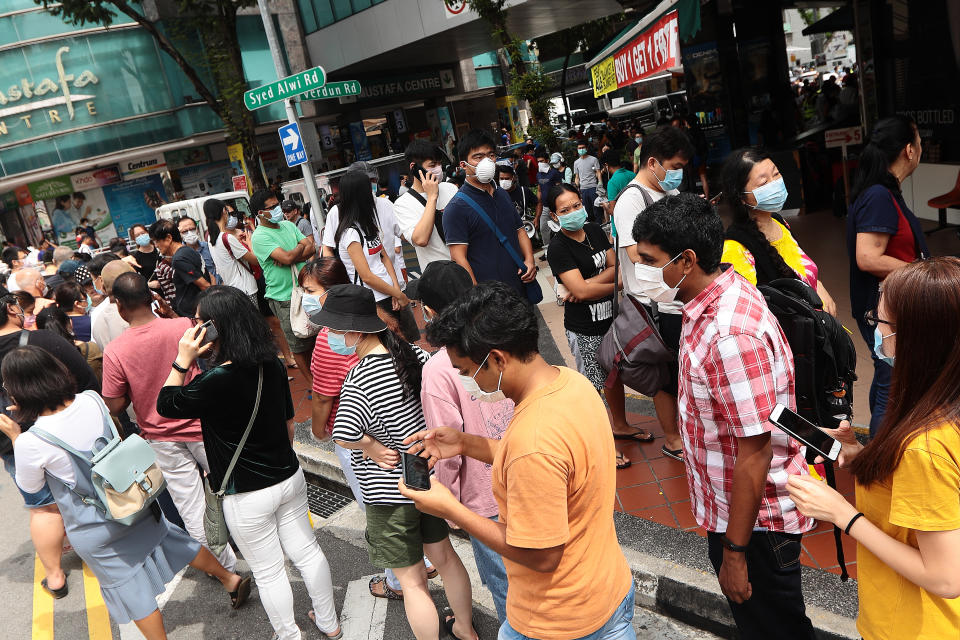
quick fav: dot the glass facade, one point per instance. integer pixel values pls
(317, 14)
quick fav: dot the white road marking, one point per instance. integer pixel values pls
(129, 631)
(363, 616)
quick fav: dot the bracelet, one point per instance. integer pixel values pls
(179, 368)
(729, 544)
(852, 520)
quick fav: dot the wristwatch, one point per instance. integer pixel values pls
(738, 548)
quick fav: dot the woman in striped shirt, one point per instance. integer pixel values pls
(379, 408)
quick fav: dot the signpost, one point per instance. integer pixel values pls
(841, 138)
(285, 88)
(292, 143)
(340, 89)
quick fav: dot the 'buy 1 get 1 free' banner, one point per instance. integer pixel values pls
(654, 51)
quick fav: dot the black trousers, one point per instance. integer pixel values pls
(776, 609)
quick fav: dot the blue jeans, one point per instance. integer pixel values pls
(880, 387)
(493, 574)
(618, 627)
(587, 196)
(41, 498)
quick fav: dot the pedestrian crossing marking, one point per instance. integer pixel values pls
(98, 620)
(42, 605)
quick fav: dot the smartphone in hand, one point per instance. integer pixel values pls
(211, 333)
(805, 432)
(416, 473)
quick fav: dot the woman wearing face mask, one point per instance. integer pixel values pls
(146, 254)
(379, 408)
(581, 257)
(265, 505)
(882, 232)
(908, 477)
(75, 303)
(759, 244)
(56, 321)
(235, 262)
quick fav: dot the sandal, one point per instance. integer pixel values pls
(56, 593)
(387, 593)
(336, 636)
(239, 597)
(432, 573)
(448, 621)
(636, 435)
(622, 462)
(676, 454)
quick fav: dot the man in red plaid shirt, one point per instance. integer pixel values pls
(735, 366)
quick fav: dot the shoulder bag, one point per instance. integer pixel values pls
(534, 293)
(437, 215)
(214, 525)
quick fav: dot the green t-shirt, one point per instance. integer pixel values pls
(278, 277)
(618, 181)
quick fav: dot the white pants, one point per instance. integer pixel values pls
(178, 461)
(269, 524)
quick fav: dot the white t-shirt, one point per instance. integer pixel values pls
(79, 425)
(399, 264)
(386, 238)
(629, 205)
(409, 211)
(228, 263)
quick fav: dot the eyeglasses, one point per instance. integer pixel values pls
(574, 207)
(870, 317)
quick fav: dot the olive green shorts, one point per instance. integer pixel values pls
(396, 534)
(282, 311)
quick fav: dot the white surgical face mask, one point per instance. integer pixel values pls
(470, 384)
(191, 237)
(506, 184)
(651, 282)
(485, 170)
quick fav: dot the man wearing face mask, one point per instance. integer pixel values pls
(552, 472)
(31, 281)
(189, 275)
(419, 210)
(484, 232)
(278, 244)
(523, 198)
(586, 177)
(191, 238)
(736, 367)
(548, 177)
(665, 152)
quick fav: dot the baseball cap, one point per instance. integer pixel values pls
(68, 267)
(288, 205)
(555, 157)
(442, 282)
(365, 167)
(82, 275)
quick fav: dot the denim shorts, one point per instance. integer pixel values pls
(41, 498)
(618, 627)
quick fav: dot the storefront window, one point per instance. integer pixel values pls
(317, 14)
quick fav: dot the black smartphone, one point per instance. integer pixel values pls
(805, 431)
(715, 199)
(416, 473)
(211, 333)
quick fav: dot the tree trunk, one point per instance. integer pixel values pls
(563, 88)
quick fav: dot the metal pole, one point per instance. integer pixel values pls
(308, 179)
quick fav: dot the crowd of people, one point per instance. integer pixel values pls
(190, 342)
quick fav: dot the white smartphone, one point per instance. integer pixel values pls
(805, 431)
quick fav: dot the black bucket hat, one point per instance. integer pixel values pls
(349, 307)
(442, 282)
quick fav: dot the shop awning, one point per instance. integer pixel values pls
(839, 20)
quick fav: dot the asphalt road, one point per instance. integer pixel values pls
(195, 607)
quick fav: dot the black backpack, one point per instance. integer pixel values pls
(824, 357)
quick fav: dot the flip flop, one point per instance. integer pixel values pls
(239, 597)
(56, 593)
(432, 573)
(337, 636)
(676, 454)
(634, 436)
(388, 593)
(621, 462)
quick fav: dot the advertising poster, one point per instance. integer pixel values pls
(238, 164)
(447, 133)
(361, 146)
(130, 202)
(66, 213)
(199, 181)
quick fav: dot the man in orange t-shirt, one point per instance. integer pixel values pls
(554, 475)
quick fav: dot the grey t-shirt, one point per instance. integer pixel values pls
(586, 169)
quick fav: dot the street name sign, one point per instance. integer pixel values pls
(342, 89)
(292, 142)
(288, 87)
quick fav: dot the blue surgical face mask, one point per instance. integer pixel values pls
(671, 180)
(311, 303)
(276, 215)
(338, 344)
(770, 197)
(878, 339)
(142, 240)
(97, 289)
(574, 220)
(638, 139)
(232, 222)
(373, 187)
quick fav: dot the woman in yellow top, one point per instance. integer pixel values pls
(759, 244)
(908, 477)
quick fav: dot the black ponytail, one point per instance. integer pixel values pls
(888, 139)
(405, 362)
(736, 171)
(212, 211)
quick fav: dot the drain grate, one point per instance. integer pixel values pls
(324, 502)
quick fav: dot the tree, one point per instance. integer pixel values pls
(216, 54)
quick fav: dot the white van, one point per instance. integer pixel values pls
(193, 208)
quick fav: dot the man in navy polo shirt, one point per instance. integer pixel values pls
(473, 244)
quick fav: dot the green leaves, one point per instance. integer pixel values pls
(81, 12)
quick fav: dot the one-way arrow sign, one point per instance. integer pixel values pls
(292, 144)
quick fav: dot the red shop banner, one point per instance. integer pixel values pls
(654, 51)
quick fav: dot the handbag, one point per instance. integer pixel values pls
(632, 349)
(214, 525)
(533, 290)
(299, 322)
